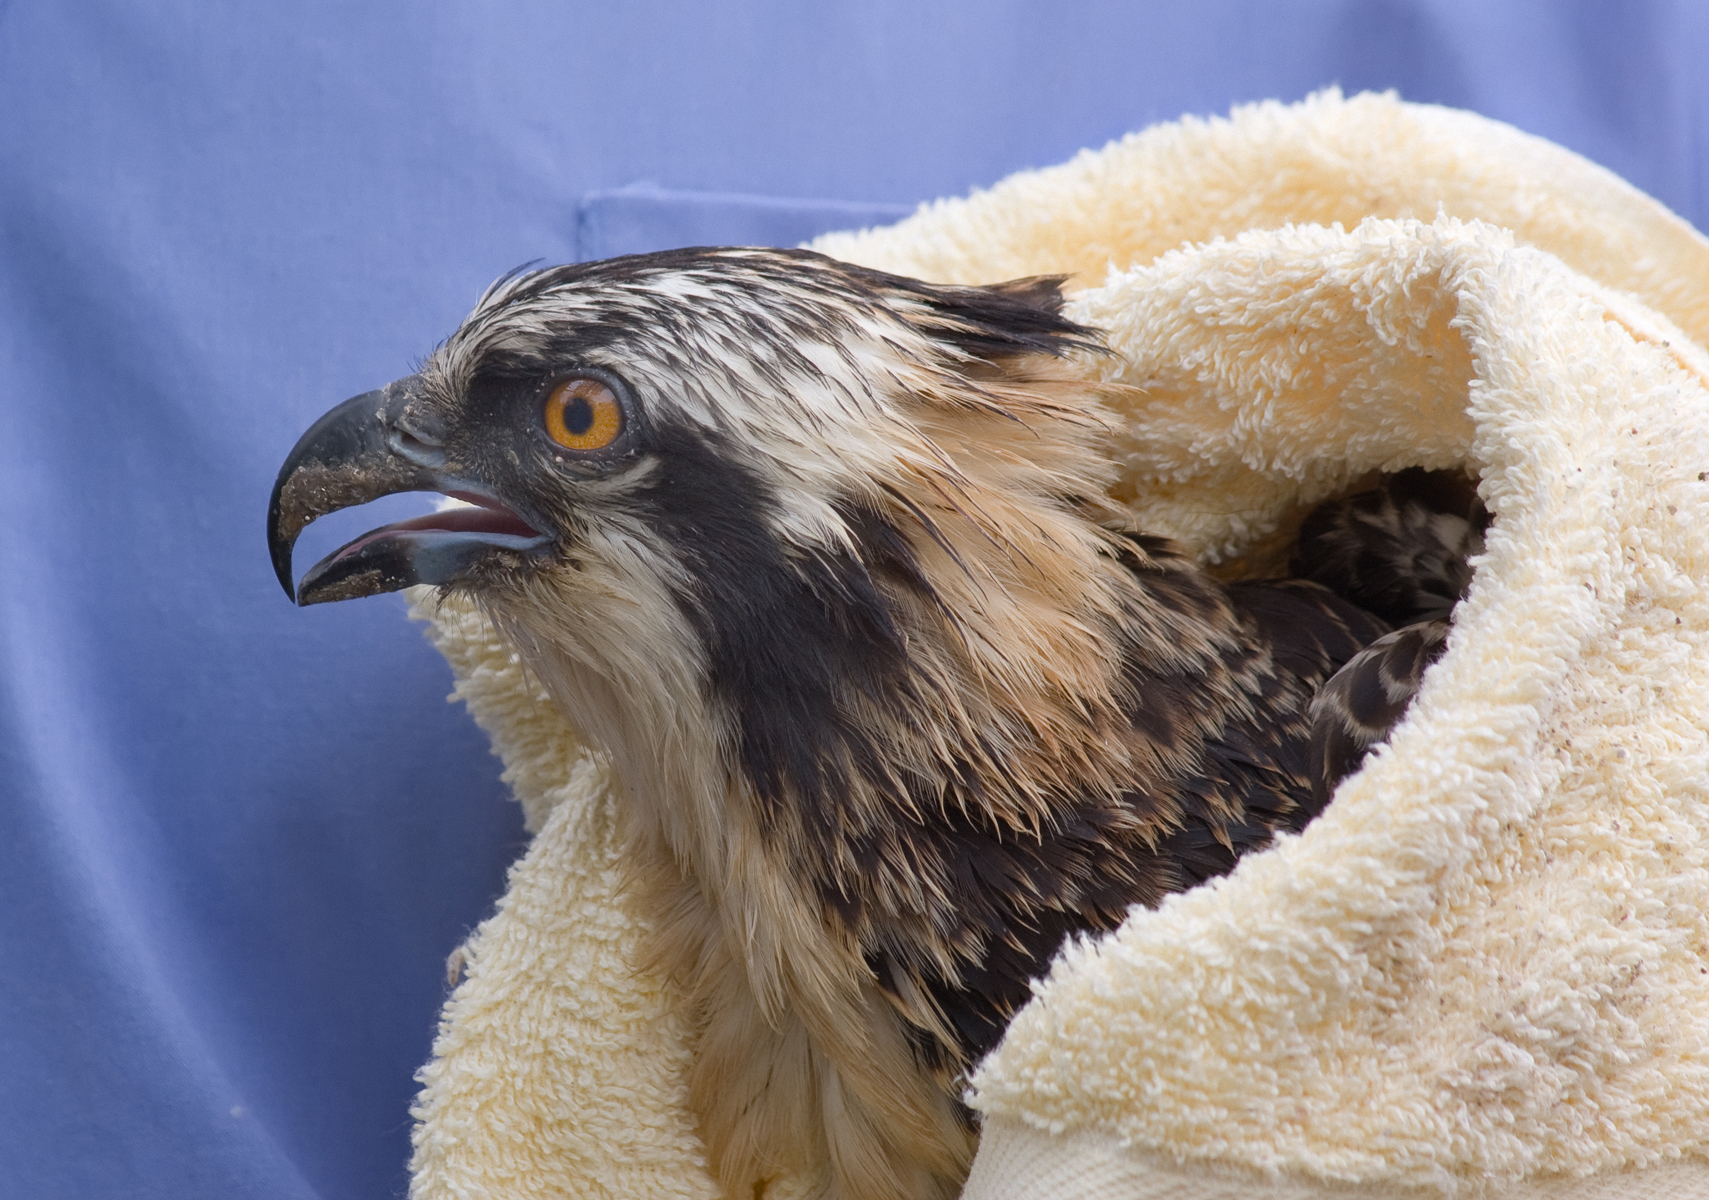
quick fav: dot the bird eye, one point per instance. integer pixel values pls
(583, 414)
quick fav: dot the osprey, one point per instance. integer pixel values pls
(821, 558)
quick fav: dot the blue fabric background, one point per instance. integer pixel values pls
(237, 840)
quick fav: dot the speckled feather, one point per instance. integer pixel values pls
(1403, 549)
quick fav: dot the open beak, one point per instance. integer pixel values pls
(373, 445)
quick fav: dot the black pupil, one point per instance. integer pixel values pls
(578, 415)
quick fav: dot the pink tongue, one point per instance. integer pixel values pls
(487, 516)
(481, 519)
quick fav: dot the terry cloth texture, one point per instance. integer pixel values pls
(1485, 969)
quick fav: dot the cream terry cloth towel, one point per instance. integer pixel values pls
(1485, 969)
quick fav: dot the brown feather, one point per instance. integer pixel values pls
(1362, 702)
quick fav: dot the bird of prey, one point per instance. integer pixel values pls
(821, 558)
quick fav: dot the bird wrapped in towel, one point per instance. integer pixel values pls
(821, 558)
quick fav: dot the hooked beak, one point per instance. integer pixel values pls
(373, 445)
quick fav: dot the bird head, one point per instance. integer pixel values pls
(837, 531)
(660, 395)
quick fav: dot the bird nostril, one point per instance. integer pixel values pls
(416, 446)
(404, 426)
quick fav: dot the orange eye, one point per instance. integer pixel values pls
(583, 414)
